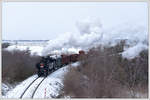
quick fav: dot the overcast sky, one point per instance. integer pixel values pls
(47, 20)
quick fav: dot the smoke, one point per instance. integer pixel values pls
(132, 32)
(89, 25)
(92, 34)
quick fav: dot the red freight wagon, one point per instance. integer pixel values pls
(65, 59)
(74, 57)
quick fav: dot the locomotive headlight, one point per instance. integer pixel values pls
(41, 66)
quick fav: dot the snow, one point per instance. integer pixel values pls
(19, 89)
(34, 49)
(49, 88)
(5, 88)
(53, 83)
(134, 51)
(30, 91)
(91, 34)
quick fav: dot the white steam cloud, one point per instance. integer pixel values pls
(92, 34)
(89, 25)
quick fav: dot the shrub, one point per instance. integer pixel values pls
(17, 65)
(133, 73)
(94, 77)
(104, 73)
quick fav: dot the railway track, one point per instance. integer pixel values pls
(32, 88)
(37, 87)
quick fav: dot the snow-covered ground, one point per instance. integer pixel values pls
(19, 89)
(6, 87)
(49, 87)
(33, 49)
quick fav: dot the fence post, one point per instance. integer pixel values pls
(45, 93)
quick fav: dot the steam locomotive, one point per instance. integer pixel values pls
(50, 64)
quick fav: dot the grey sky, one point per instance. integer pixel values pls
(46, 20)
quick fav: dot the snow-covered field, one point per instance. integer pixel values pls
(49, 87)
(6, 87)
(33, 49)
(18, 90)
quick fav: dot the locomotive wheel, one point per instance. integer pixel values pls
(56, 68)
(46, 74)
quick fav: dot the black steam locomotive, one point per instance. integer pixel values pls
(49, 64)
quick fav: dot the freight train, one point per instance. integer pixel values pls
(50, 64)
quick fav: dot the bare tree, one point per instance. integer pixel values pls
(17, 65)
